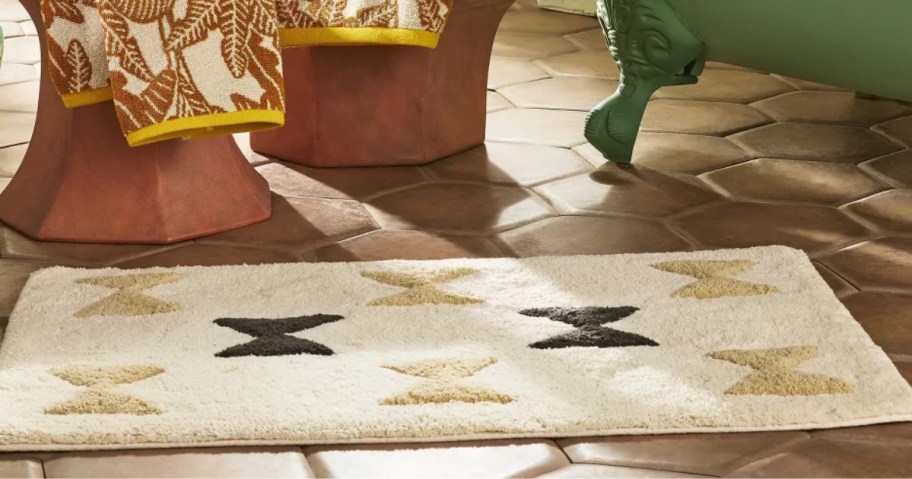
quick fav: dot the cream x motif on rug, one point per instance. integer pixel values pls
(736, 340)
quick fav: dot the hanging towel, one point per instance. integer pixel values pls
(362, 22)
(181, 68)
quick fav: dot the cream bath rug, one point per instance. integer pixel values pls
(738, 340)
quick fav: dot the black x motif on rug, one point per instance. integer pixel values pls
(590, 331)
(273, 336)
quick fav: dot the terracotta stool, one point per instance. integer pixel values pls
(79, 181)
(363, 106)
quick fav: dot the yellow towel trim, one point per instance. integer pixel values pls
(296, 37)
(207, 125)
(88, 97)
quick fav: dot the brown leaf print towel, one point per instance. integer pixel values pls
(175, 68)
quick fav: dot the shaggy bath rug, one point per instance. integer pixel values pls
(738, 340)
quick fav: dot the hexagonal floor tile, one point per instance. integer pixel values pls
(572, 235)
(794, 181)
(538, 127)
(879, 265)
(890, 210)
(886, 318)
(692, 154)
(562, 93)
(22, 50)
(17, 466)
(496, 102)
(899, 129)
(627, 190)
(286, 462)
(298, 224)
(509, 71)
(509, 163)
(288, 179)
(13, 274)
(542, 21)
(458, 208)
(22, 97)
(10, 159)
(830, 107)
(739, 225)
(530, 45)
(698, 117)
(589, 40)
(585, 471)
(897, 168)
(806, 85)
(732, 86)
(520, 458)
(15, 245)
(418, 245)
(849, 144)
(16, 128)
(585, 63)
(209, 255)
(824, 458)
(708, 454)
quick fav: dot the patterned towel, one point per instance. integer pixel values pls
(194, 68)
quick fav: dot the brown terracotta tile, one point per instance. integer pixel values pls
(19, 467)
(585, 471)
(292, 180)
(841, 288)
(298, 224)
(538, 127)
(882, 265)
(561, 93)
(15, 245)
(10, 159)
(886, 317)
(458, 208)
(520, 458)
(509, 163)
(570, 235)
(22, 97)
(13, 274)
(890, 210)
(496, 102)
(542, 21)
(509, 71)
(698, 117)
(824, 458)
(15, 73)
(877, 433)
(727, 85)
(737, 225)
(16, 128)
(809, 141)
(896, 167)
(899, 129)
(585, 63)
(830, 107)
(691, 154)
(387, 244)
(708, 454)
(213, 463)
(530, 45)
(794, 181)
(630, 190)
(589, 40)
(209, 255)
(22, 50)
(808, 85)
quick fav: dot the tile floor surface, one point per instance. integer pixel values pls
(741, 159)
